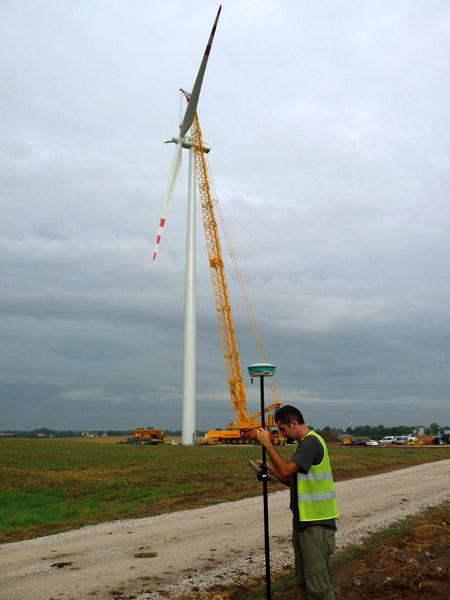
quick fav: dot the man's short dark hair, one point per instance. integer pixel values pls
(286, 414)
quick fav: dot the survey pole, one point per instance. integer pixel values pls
(262, 370)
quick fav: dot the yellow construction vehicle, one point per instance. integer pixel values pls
(147, 437)
(243, 430)
(246, 434)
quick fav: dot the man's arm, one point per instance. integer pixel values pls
(284, 469)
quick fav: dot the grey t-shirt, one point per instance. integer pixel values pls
(309, 452)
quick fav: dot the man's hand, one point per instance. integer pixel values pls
(283, 469)
(269, 467)
(272, 471)
(265, 437)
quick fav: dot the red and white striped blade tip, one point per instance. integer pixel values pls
(213, 31)
(191, 108)
(162, 223)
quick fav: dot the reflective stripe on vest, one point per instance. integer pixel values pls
(316, 497)
(315, 489)
(315, 476)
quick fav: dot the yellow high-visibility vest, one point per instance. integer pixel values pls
(315, 489)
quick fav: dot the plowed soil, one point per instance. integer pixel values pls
(409, 562)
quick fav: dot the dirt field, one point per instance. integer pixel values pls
(188, 553)
(412, 562)
(408, 561)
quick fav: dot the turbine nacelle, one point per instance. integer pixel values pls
(188, 142)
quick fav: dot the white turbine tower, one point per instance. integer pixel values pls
(184, 141)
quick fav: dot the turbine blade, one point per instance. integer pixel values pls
(173, 174)
(192, 104)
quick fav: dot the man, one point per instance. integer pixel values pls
(313, 501)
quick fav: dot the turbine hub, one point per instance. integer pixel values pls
(188, 142)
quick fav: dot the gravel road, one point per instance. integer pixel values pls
(169, 555)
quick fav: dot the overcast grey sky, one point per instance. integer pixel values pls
(330, 131)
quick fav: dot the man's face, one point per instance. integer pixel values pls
(289, 431)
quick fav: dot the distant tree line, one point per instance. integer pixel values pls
(178, 432)
(328, 432)
(380, 431)
(46, 432)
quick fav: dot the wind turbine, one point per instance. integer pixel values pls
(184, 141)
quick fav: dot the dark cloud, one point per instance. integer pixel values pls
(330, 157)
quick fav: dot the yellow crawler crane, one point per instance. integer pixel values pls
(243, 430)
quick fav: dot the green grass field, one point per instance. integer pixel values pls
(54, 485)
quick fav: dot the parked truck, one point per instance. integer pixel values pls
(147, 437)
(442, 436)
(240, 436)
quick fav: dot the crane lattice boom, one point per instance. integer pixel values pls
(221, 296)
(219, 284)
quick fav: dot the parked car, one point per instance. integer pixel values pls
(401, 440)
(388, 439)
(358, 443)
(411, 438)
(372, 443)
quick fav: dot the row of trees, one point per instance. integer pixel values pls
(380, 431)
(377, 431)
(46, 432)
